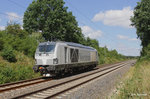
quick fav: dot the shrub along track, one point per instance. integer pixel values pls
(51, 89)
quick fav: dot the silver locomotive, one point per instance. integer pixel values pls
(57, 58)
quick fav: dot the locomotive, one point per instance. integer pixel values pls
(57, 58)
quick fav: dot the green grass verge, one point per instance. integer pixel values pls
(136, 83)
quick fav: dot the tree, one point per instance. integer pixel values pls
(92, 42)
(15, 29)
(52, 19)
(141, 21)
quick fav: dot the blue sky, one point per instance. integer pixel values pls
(104, 20)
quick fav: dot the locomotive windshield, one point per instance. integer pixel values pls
(46, 49)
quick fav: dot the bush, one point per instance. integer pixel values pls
(28, 46)
(8, 54)
(1, 44)
(11, 73)
(24, 72)
(7, 74)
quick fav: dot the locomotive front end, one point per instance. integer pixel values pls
(45, 59)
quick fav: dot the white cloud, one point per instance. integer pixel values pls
(122, 37)
(128, 51)
(115, 17)
(126, 38)
(89, 32)
(124, 49)
(14, 16)
(2, 27)
(133, 39)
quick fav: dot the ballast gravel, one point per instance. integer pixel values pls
(96, 89)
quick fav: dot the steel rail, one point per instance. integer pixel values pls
(20, 84)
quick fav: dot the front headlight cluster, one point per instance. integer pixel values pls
(55, 61)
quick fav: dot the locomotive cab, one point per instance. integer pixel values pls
(44, 57)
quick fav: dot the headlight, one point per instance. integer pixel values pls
(55, 61)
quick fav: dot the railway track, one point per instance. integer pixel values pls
(20, 84)
(48, 89)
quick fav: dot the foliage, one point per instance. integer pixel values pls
(20, 70)
(13, 47)
(141, 21)
(52, 19)
(1, 40)
(1, 44)
(107, 57)
(91, 42)
(8, 54)
(7, 74)
(27, 44)
(15, 29)
(38, 36)
(146, 51)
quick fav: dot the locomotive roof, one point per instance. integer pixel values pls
(68, 43)
(79, 45)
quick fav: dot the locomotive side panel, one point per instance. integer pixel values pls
(84, 55)
(93, 56)
(63, 54)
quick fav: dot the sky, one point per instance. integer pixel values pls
(108, 21)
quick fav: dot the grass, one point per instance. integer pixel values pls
(110, 59)
(136, 83)
(20, 70)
